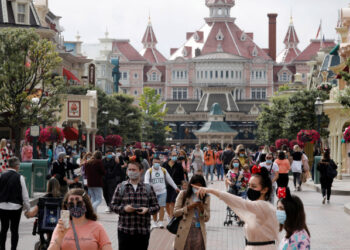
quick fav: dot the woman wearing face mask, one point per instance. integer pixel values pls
(89, 233)
(176, 171)
(232, 178)
(291, 217)
(261, 226)
(195, 213)
(158, 178)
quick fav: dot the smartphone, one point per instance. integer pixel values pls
(65, 218)
(196, 199)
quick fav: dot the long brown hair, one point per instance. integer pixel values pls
(53, 187)
(89, 214)
(296, 219)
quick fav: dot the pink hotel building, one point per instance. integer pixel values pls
(218, 63)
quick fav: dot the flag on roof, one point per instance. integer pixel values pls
(319, 29)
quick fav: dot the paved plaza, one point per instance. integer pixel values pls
(328, 225)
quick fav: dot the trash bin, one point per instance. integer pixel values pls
(40, 168)
(26, 169)
(317, 159)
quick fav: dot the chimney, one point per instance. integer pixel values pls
(272, 35)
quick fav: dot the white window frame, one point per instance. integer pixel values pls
(21, 13)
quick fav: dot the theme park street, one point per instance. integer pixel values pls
(327, 224)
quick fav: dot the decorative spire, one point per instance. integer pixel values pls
(291, 39)
(149, 39)
(220, 8)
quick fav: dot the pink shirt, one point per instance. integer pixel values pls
(92, 236)
(27, 153)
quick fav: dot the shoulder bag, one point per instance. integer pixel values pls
(75, 236)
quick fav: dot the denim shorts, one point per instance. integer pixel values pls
(161, 199)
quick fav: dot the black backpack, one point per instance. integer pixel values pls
(331, 170)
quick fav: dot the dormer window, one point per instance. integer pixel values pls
(243, 37)
(219, 11)
(153, 77)
(184, 52)
(21, 13)
(255, 52)
(196, 37)
(219, 36)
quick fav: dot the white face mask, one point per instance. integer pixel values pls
(133, 175)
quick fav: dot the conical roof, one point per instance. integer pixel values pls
(149, 38)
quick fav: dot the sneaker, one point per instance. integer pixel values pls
(299, 188)
(328, 202)
(154, 224)
(324, 200)
(160, 224)
(108, 210)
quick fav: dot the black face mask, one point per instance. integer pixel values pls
(253, 195)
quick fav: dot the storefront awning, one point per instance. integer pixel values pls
(69, 75)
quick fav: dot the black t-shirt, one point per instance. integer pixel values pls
(176, 172)
(297, 156)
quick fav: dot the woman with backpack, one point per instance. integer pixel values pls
(328, 171)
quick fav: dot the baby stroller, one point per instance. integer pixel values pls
(234, 189)
(48, 216)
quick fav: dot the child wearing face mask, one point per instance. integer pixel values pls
(291, 217)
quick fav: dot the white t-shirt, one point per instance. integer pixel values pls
(158, 181)
(273, 171)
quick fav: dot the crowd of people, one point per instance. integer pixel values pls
(144, 184)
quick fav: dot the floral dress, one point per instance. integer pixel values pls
(4, 156)
(300, 240)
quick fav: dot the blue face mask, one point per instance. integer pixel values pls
(156, 165)
(174, 158)
(268, 161)
(235, 165)
(109, 156)
(241, 155)
(281, 216)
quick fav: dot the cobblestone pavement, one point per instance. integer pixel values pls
(329, 226)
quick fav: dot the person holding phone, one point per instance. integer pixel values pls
(135, 202)
(195, 212)
(83, 231)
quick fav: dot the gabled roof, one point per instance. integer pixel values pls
(232, 42)
(152, 55)
(287, 55)
(7, 15)
(313, 48)
(128, 51)
(278, 68)
(161, 69)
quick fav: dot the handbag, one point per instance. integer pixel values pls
(173, 224)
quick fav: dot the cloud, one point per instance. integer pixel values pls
(171, 19)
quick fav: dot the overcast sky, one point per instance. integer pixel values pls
(171, 19)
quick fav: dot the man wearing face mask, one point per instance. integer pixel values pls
(158, 177)
(114, 176)
(59, 149)
(62, 173)
(176, 171)
(273, 171)
(134, 201)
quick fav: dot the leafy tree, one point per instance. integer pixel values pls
(287, 115)
(28, 88)
(153, 127)
(271, 120)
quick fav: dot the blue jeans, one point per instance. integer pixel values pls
(208, 168)
(220, 171)
(95, 194)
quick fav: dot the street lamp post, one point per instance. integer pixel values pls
(319, 111)
(105, 130)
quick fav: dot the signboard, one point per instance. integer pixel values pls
(34, 131)
(92, 71)
(74, 109)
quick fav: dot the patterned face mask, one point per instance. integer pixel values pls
(77, 210)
